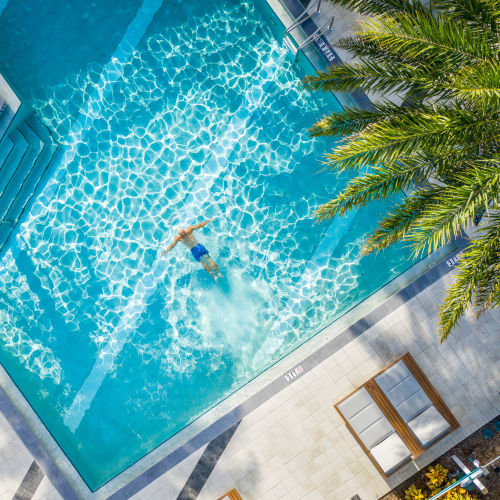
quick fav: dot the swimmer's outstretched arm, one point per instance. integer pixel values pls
(201, 224)
(176, 240)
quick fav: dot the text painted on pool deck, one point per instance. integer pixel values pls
(455, 260)
(294, 373)
(325, 49)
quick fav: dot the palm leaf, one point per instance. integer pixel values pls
(479, 272)
(424, 34)
(454, 208)
(440, 146)
(379, 183)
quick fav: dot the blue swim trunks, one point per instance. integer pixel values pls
(198, 251)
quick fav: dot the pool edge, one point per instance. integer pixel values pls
(63, 474)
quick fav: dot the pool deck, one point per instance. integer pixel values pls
(286, 441)
(292, 444)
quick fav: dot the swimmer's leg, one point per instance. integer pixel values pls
(208, 269)
(214, 265)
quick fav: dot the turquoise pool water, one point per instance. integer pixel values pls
(169, 113)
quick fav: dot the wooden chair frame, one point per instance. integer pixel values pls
(400, 426)
(233, 495)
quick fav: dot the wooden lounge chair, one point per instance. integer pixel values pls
(231, 495)
(396, 415)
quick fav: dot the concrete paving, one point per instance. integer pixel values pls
(296, 446)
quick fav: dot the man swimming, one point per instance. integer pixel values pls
(198, 251)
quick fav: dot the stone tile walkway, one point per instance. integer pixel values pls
(30, 482)
(15, 460)
(295, 446)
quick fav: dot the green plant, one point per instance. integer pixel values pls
(413, 493)
(436, 476)
(440, 146)
(459, 494)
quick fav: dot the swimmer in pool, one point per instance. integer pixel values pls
(198, 251)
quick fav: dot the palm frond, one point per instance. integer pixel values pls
(387, 141)
(455, 207)
(367, 76)
(479, 272)
(353, 120)
(400, 219)
(424, 34)
(478, 84)
(379, 183)
(363, 48)
(482, 14)
(381, 6)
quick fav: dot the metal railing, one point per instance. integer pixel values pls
(303, 17)
(327, 26)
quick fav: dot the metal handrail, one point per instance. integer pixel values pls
(320, 31)
(300, 19)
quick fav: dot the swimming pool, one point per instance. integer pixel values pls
(169, 113)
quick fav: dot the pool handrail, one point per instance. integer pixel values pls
(302, 18)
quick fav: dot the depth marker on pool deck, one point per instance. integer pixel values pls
(147, 285)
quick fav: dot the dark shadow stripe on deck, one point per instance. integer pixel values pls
(206, 464)
(30, 440)
(30, 483)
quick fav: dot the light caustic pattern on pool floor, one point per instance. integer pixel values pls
(205, 121)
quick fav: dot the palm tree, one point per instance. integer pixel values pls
(440, 146)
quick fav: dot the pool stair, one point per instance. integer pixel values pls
(6, 116)
(304, 16)
(26, 153)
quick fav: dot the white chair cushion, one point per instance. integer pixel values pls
(403, 391)
(390, 453)
(393, 376)
(365, 418)
(428, 426)
(376, 433)
(412, 406)
(355, 403)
